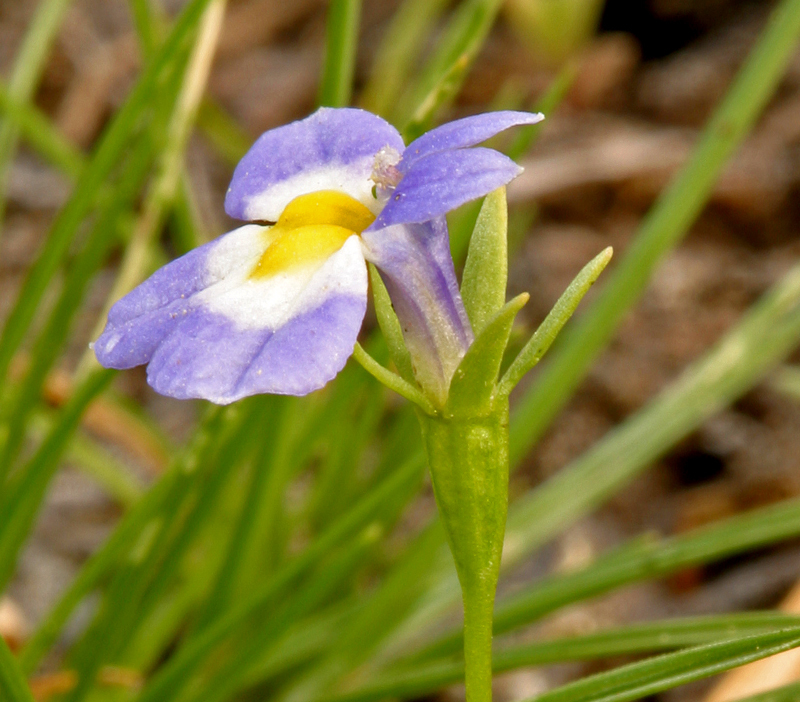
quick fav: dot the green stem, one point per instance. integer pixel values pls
(478, 644)
(468, 459)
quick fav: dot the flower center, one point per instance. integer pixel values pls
(384, 169)
(311, 228)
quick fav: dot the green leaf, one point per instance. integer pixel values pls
(442, 75)
(173, 677)
(398, 50)
(473, 383)
(106, 155)
(648, 677)
(548, 103)
(25, 76)
(13, 686)
(786, 379)
(22, 497)
(40, 134)
(340, 53)
(443, 92)
(159, 499)
(483, 285)
(424, 679)
(50, 340)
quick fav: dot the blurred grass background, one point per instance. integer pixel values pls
(287, 548)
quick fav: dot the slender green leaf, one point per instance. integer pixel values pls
(787, 693)
(390, 326)
(787, 380)
(642, 559)
(314, 592)
(399, 49)
(56, 330)
(13, 687)
(106, 156)
(182, 666)
(340, 53)
(442, 75)
(765, 336)
(392, 380)
(664, 672)
(40, 134)
(462, 221)
(664, 635)
(548, 103)
(165, 187)
(227, 137)
(159, 498)
(22, 498)
(157, 556)
(24, 78)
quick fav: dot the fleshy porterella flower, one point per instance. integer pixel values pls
(276, 305)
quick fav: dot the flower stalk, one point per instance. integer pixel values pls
(468, 458)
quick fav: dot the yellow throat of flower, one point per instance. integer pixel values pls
(311, 228)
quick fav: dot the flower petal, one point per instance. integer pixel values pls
(139, 321)
(442, 181)
(415, 264)
(333, 149)
(240, 335)
(461, 133)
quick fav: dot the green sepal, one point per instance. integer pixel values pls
(390, 327)
(483, 286)
(549, 329)
(473, 384)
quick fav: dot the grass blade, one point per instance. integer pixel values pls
(40, 134)
(662, 635)
(643, 559)
(106, 156)
(22, 498)
(788, 693)
(13, 687)
(175, 674)
(441, 77)
(398, 50)
(165, 187)
(123, 538)
(648, 677)
(341, 46)
(25, 77)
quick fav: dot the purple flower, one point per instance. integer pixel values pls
(276, 306)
